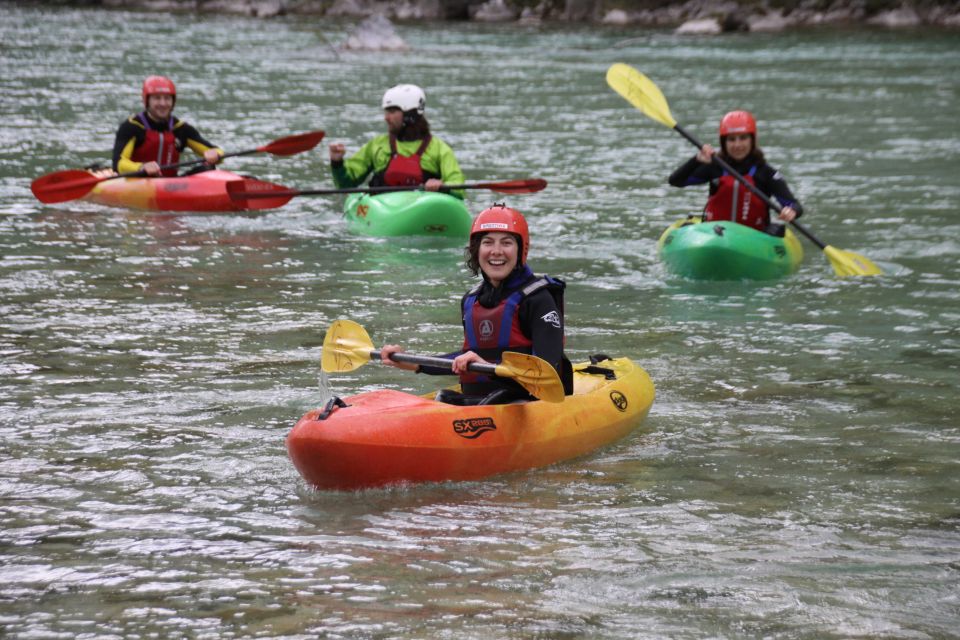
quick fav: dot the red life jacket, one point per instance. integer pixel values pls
(158, 146)
(733, 201)
(404, 171)
(490, 332)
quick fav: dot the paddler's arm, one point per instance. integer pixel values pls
(450, 172)
(123, 164)
(128, 136)
(191, 138)
(777, 187)
(540, 316)
(353, 171)
(691, 172)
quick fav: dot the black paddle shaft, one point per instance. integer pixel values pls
(431, 361)
(753, 189)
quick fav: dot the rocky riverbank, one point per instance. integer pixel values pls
(686, 16)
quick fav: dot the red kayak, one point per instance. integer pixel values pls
(206, 191)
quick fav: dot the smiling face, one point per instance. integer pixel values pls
(738, 145)
(498, 255)
(159, 106)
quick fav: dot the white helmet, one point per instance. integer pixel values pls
(406, 97)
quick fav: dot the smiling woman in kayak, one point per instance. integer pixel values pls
(730, 200)
(153, 137)
(407, 155)
(510, 310)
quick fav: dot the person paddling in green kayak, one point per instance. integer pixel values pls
(730, 200)
(511, 309)
(154, 137)
(407, 155)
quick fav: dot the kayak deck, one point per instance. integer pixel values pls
(724, 250)
(407, 213)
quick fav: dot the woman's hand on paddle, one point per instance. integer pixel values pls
(337, 151)
(389, 349)
(706, 154)
(212, 156)
(103, 173)
(432, 184)
(150, 168)
(788, 214)
(462, 361)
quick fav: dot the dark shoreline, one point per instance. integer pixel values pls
(696, 17)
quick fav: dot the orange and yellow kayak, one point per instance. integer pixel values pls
(389, 437)
(206, 191)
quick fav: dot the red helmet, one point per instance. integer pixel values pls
(502, 218)
(738, 122)
(158, 84)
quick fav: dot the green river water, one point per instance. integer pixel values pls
(799, 473)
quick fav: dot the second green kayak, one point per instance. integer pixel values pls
(725, 250)
(408, 213)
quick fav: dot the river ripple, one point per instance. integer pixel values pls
(796, 478)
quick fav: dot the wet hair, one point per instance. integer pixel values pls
(471, 253)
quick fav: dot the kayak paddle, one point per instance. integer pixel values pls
(257, 194)
(642, 93)
(71, 184)
(347, 346)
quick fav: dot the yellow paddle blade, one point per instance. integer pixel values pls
(639, 90)
(848, 263)
(533, 374)
(346, 347)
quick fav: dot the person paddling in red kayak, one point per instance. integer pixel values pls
(511, 309)
(154, 137)
(407, 155)
(730, 200)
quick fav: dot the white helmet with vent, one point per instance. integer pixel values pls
(406, 97)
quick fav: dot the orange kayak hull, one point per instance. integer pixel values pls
(388, 437)
(206, 191)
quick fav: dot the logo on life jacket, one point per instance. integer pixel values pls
(471, 428)
(552, 318)
(486, 328)
(619, 400)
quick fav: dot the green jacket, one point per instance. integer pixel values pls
(437, 161)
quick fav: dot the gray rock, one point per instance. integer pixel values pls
(699, 27)
(495, 11)
(616, 16)
(902, 17)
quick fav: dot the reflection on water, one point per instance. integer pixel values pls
(796, 477)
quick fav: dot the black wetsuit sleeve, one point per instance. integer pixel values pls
(541, 321)
(126, 131)
(693, 172)
(771, 182)
(187, 133)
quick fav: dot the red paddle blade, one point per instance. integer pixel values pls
(258, 194)
(292, 145)
(515, 186)
(61, 186)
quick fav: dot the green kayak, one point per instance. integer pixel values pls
(408, 213)
(726, 250)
